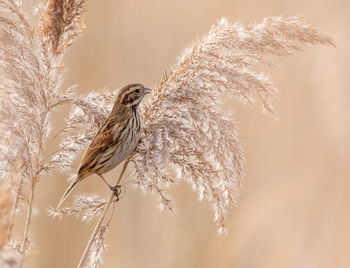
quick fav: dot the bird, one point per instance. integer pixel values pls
(116, 139)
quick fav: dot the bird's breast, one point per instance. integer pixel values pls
(125, 140)
(124, 150)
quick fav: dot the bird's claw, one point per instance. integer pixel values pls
(116, 190)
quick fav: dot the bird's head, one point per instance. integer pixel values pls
(131, 95)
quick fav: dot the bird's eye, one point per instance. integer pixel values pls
(137, 90)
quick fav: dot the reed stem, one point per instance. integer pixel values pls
(26, 229)
(14, 208)
(100, 220)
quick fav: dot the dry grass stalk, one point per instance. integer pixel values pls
(32, 75)
(93, 240)
(184, 126)
(95, 256)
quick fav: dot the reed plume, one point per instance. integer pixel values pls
(185, 126)
(31, 72)
(185, 129)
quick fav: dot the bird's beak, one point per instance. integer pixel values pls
(147, 90)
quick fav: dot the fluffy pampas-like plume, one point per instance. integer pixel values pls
(185, 128)
(184, 123)
(31, 72)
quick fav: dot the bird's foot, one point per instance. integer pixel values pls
(116, 190)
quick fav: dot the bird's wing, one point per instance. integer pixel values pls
(99, 144)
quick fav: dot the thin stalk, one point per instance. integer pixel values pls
(100, 220)
(14, 208)
(26, 229)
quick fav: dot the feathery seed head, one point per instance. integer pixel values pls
(184, 125)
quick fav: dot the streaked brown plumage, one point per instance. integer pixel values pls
(116, 139)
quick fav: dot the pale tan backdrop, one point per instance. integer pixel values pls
(294, 209)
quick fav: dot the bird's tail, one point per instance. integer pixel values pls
(70, 188)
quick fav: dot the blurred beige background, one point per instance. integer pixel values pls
(294, 209)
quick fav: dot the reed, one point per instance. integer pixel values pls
(31, 72)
